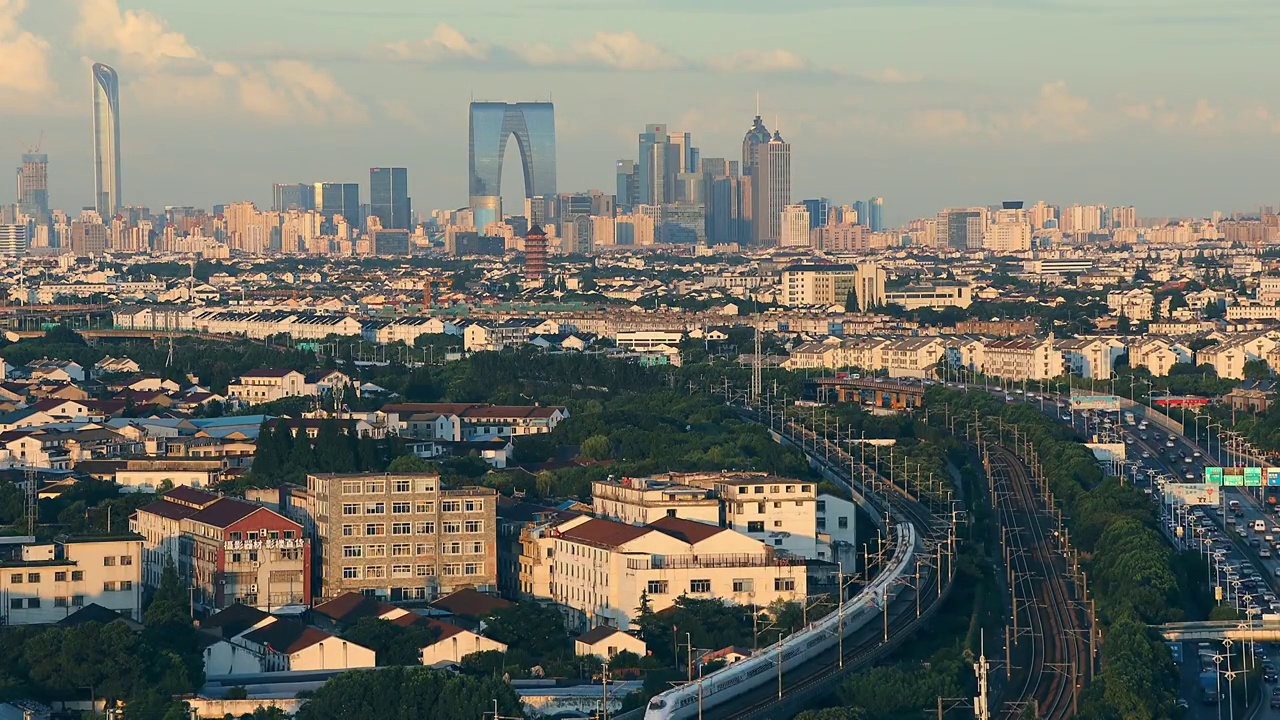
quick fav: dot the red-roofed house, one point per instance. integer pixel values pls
(266, 643)
(456, 643)
(601, 568)
(228, 550)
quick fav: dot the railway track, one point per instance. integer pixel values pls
(1056, 652)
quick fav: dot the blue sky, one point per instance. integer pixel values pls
(1158, 103)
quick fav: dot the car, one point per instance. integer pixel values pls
(1144, 436)
(1146, 455)
(1169, 443)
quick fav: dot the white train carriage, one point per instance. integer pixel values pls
(733, 681)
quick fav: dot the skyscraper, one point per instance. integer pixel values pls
(628, 191)
(819, 211)
(389, 197)
(773, 189)
(33, 186)
(332, 199)
(106, 140)
(729, 210)
(756, 137)
(492, 123)
(794, 226)
(875, 214)
(292, 196)
(652, 167)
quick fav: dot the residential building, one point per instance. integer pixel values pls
(454, 643)
(44, 582)
(915, 357)
(227, 551)
(1158, 354)
(266, 385)
(606, 642)
(600, 569)
(640, 501)
(1022, 359)
(795, 227)
(400, 537)
(1093, 358)
(962, 228)
(255, 642)
(930, 296)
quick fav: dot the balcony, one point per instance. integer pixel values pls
(727, 560)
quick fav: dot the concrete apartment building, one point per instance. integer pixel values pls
(1022, 359)
(44, 582)
(226, 550)
(640, 501)
(601, 568)
(399, 537)
(266, 385)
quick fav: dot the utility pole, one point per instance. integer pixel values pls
(980, 669)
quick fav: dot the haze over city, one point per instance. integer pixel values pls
(928, 104)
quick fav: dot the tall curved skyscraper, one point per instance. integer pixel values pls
(106, 140)
(534, 125)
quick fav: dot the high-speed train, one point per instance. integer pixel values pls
(733, 681)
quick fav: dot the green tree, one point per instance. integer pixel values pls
(597, 447)
(393, 644)
(534, 628)
(410, 692)
(409, 464)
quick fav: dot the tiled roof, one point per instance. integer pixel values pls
(470, 603)
(350, 607)
(605, 533)
(235, 619)
(688, 531)
(191, 496)
(286, 636)
(596, 634)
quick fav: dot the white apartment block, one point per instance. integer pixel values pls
(42, 583)
(1133, 304)
(1021, 359)
(1091, 357)
(827, 285)
(262, 324)
(649, 340)
(931, 296)
(912, 357)
(268, 385)
(1230, 356)
(602, 569)
(640, 501)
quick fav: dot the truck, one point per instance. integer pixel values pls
(1209, 687)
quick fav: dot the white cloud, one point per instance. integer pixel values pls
(759, 61)
(893, 76)
(604, 50)
(1056, 114)
(444, 43)
(166, 71)
(24, 59)
(942, 123)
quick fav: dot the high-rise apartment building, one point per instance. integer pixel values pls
(491, 123)
(106, 140)
(400, 537)
(88, 239)
(390, 242)
(389, 197)
(13, 239)
(1123, 217)
(1081, 219)
(962, 228)
(33, 186)
(794, 226)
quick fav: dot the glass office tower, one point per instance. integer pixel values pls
(389, 197)
(106, 140)
(333, 199)
(492, 123)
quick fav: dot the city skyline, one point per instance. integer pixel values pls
(866, 120)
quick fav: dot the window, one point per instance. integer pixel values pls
(657, 587)
(755, 526)
(777, 505)
(15, 604)
(16, 578)
(400, 549)
(426, 528)
(126, 585)
(348, 530)
(842, 523)
(350, 573)
(474, 505)
(62, 601)
(450, 506)
(699, 586)
(401, 528)
(777, 523)
(374, 572)
(773, 489)
(822, 506)
(352, 551)
(784, 584)
(742, 490)
(471, 568)
(234, 536)
(473, 526)
(475, 548)
(778, 542)
(33, 577)
(60, 576)
(451, 528)
(109, 586)
(744, 585)
(759, 489)
(422, 549)
(350, 487)
(451, 569)
(375, 529)
(401, 571)
(423, 570)
(253, 556)
(77, 601)
(350, 509)
(375, 508)
(33, 603)
(235, 557)
(375, 488)
(109, 561)
(791, 488)
(424, 486)
(806, 488)
(375, 551)
(759, 508)
(77, 576)
(400, 486)
(424, 507)
(401, 508)
(822, 523)
(288, 534)
(451, 548)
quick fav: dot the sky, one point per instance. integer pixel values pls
(1162, 104)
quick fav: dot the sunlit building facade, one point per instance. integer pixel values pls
(492, 123)
(106, 139)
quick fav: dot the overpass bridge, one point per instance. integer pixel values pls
(1266, 629)
(881, 393)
